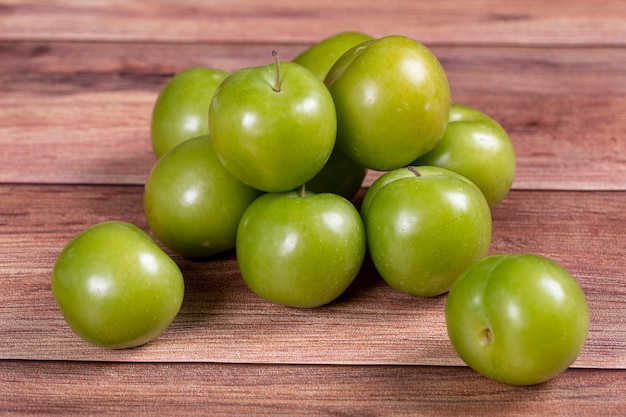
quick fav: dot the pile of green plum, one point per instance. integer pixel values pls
(267, 160)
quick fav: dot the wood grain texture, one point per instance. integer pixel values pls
(445, 21)
(222, 321)
(77, 84)
(70, 388)
(84, 114)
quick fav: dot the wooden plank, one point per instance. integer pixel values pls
(222, 321)
(70, 388)
(446, 21)
(84, 115)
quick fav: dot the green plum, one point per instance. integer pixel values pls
(319, 58)
(192, 204)
(182, 107)
(274, 126)
(341, 175)
(300, 250)
(396, 174)
(116, 287)
(385, 179)
(519, 319)
(423, 230)
(393, 100)
(477, 147)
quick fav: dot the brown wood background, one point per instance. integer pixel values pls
(77, 85)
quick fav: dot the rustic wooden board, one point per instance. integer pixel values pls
(77, 84)
(447, 21)
(84, 115)
(222, 321)
(70, 388)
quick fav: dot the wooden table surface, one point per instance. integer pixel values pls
(78, 81)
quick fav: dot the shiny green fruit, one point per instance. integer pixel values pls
(182, 107)
(192, 204)
(274, 126)
(425, 229)
(300, 250)
(116, 287)
(392, 98)
(520, 319)
(320, 57)
(477, 147)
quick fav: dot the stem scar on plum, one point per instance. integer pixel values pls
(486, 337)
(277, 62)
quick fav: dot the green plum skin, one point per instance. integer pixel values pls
(182, 107)
(320, 57)
(192, 204)
(340, 175)
(273, 140)
(397, 174)
(393, 100)
(116, 287)
(300, 251)
(385, 179)
(520, 319)
(477, 147)
(424, 231)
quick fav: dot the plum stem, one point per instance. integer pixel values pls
(277, 61)
(415, 171)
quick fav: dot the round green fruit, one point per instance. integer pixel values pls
(518, 319)
(477, 147)
(320, 57)
(192, 204)
(116, 287)
(273, 126)
(300, 250)
(393, 100)
(182, 107)
(423, 230)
